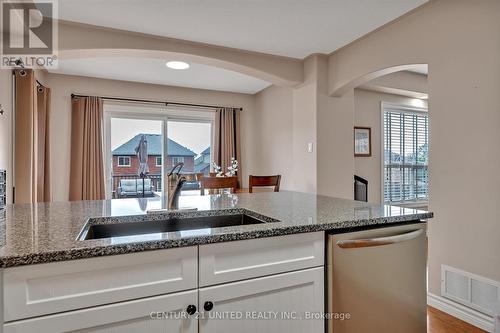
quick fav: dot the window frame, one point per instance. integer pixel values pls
(124, 165)
(156, 161)
(411, 109)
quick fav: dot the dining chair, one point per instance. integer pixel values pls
(259, 181)
(213, 183)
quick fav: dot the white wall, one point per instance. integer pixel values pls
(63, 85)
(273, 107)
(464, 108)
(335, 157)
(290, 119)
(367, 113)
(304, 132)
(286, 123)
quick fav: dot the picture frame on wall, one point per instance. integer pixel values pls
(362, 141)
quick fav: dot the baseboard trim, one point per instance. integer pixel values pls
(461, 312)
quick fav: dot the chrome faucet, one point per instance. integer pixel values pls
(173, 200)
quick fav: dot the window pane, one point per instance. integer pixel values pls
(125, 135)
(189, 143)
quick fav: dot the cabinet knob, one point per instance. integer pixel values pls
(191, 309)
(208, 306)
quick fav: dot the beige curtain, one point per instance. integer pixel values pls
(227, 138)
(87, 161)
(32, 152)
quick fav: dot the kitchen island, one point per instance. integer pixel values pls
(54, 281)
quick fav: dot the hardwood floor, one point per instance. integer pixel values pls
(440, 322)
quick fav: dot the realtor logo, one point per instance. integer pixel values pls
(29, 33)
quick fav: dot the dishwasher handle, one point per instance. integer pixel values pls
(368, 242)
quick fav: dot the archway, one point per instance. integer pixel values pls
(339, 89)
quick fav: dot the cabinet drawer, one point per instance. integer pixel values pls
(42, 289)
(232, 261)
(127, 317)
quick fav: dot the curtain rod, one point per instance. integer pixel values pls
(36, 81)
(166, 103)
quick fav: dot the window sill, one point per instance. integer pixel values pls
(409, 204)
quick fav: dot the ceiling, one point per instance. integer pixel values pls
(154, 71)
(292, 28)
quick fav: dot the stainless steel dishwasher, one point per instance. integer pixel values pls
(377, 280)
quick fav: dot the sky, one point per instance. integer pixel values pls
(195, 136)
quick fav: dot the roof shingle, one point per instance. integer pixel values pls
(154, 146)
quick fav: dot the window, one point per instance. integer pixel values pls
(189, 137)
(406, 158)
(177, 159)
(123, 161)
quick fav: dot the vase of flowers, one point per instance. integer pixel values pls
(231, 169)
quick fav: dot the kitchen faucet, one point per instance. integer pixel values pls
(173, 200)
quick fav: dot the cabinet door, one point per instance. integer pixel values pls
(277, 303)
(158, 314)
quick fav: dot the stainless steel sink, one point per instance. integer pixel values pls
(94, 230)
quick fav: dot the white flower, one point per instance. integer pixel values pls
(231, 169)
(217, 169)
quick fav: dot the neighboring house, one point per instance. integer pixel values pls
(202, 162)
(125, 161)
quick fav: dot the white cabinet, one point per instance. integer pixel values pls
(233, 261)
(126, 317)
(279, 278)
(283, 299)
(35, 290)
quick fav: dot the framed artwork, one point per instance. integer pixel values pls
(362, 141)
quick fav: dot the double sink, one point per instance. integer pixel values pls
(103, 227)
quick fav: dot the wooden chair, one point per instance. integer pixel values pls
(213, 183)
(264, 181)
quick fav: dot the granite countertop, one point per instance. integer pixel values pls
(48, 232)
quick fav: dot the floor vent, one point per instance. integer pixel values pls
(471, 290)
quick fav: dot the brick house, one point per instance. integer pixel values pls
(125, 161)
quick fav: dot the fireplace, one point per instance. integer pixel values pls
(360, 189)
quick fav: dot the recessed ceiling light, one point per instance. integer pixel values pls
(177, 65)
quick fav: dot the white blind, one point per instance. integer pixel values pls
(406, 146)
